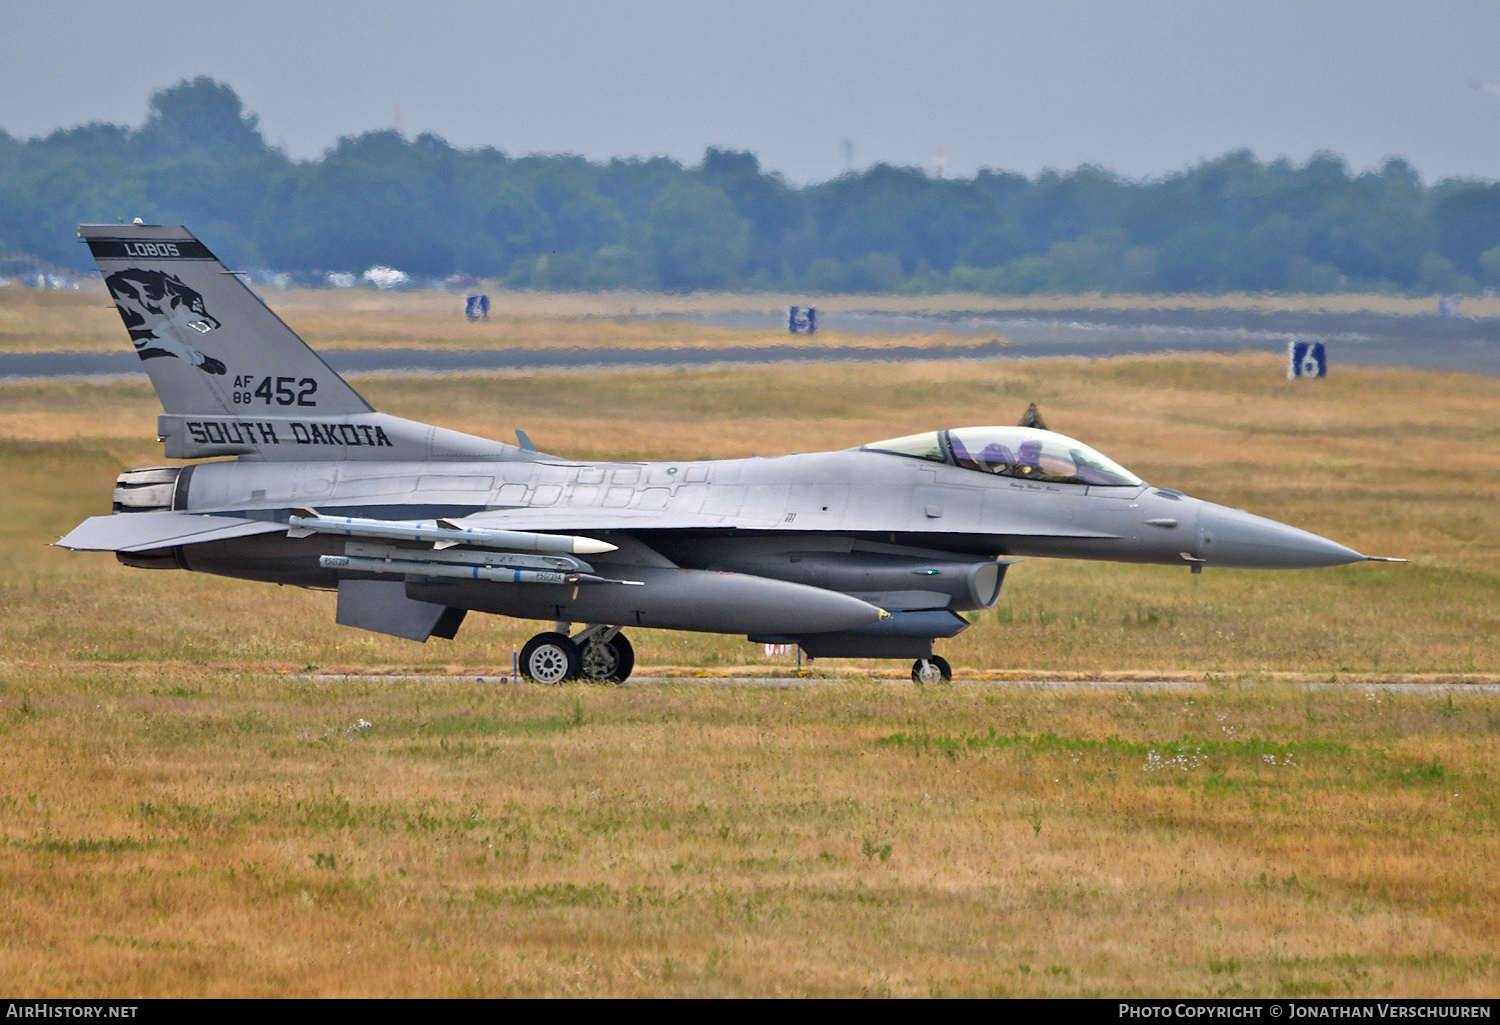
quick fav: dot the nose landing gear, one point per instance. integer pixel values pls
(932, 669)
(598, 654)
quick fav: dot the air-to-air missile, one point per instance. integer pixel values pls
(872, 552)
(442, 533)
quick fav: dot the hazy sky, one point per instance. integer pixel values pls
(1142, 88)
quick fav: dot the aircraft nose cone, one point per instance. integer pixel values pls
(1237, 539)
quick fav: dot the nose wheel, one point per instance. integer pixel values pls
(932, 669)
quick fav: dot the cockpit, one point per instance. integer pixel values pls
(1023, 452)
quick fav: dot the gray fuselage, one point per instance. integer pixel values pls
(740, 514)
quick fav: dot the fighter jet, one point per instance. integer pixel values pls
(872, 552)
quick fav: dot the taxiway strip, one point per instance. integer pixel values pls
(782, 682)
(1029, 339)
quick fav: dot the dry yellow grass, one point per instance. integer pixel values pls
(32, 320)
(201, 833)
(444, 327)
(189, 805)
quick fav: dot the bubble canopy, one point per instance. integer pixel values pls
(1023, 452)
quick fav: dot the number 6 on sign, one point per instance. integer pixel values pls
(1306, 359)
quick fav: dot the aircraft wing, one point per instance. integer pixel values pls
(584, 520)
(143, 531)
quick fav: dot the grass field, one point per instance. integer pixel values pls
(212, 833)
(190, 804)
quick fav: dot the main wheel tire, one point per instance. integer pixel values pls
(608, 661)
(551, 658)
(625, 654)
(932, 669)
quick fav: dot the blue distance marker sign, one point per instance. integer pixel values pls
(1306, 359)
(477, 307)
(801, 321)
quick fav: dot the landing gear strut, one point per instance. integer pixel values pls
(597, 654)
(932, 669)
(608, 656)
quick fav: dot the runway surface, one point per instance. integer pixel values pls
(1424, 341)
(783, 682)
(1429, 342)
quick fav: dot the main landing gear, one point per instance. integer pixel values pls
(597, 654)
(932, 669)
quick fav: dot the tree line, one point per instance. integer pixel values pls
(562, 222)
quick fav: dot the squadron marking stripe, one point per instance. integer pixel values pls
(158, 249)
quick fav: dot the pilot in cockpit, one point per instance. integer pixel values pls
(996, 454)
(1029, 456)
(1028, 453)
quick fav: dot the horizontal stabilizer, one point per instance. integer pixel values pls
(140, 532)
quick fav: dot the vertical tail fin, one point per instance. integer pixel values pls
(232, 378)
(209, 345)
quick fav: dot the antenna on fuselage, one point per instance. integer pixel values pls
(1033, 418)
